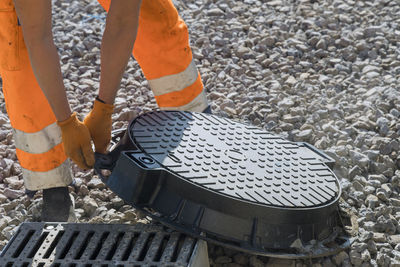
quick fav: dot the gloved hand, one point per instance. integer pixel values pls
(99, 124)
(77, 142)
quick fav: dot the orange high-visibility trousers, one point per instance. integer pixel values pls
(163, 52)
(37, 136)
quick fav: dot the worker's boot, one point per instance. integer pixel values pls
(58, 205)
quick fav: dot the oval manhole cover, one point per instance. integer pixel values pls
(227, 182)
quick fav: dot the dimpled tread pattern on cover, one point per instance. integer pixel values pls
(235, 160)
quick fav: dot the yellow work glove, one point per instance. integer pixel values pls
(77, 142)
(99, 124)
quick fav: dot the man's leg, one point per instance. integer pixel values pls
(163, 52)
(36, 134)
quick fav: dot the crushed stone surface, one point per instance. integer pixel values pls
(324, 72)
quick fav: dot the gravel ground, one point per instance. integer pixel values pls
(324, 72)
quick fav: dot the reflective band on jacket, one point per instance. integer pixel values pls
(57, 177)
(199, 104)
(182, 97)
(176, 82)
(42, 162)
(38, 142)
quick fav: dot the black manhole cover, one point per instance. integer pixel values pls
(228, 182)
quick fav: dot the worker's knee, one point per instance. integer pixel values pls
(159, 14)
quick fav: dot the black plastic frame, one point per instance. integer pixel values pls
(238, 224)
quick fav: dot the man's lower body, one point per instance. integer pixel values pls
(37, 137)
(163, 52)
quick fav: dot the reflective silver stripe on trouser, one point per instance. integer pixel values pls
(57, 177)
(199, 104)
(178, 82)
(37, 143)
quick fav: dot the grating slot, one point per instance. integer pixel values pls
(35, 249)
(146, 247)
(171, 245)
(9, 250)
(186, 250)
(62, 243)
(84, 245)
(99, 246)
(53, 244)
(154, 247)
(91, 246)
(114, 247)
(178, 247)
(107, 245)
(140, 243)
(23, 244)
(68, 246)
(127, 245)
(161, 248)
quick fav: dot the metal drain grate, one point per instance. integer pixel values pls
(101, 245)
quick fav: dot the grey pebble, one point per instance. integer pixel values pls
(284, 66)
